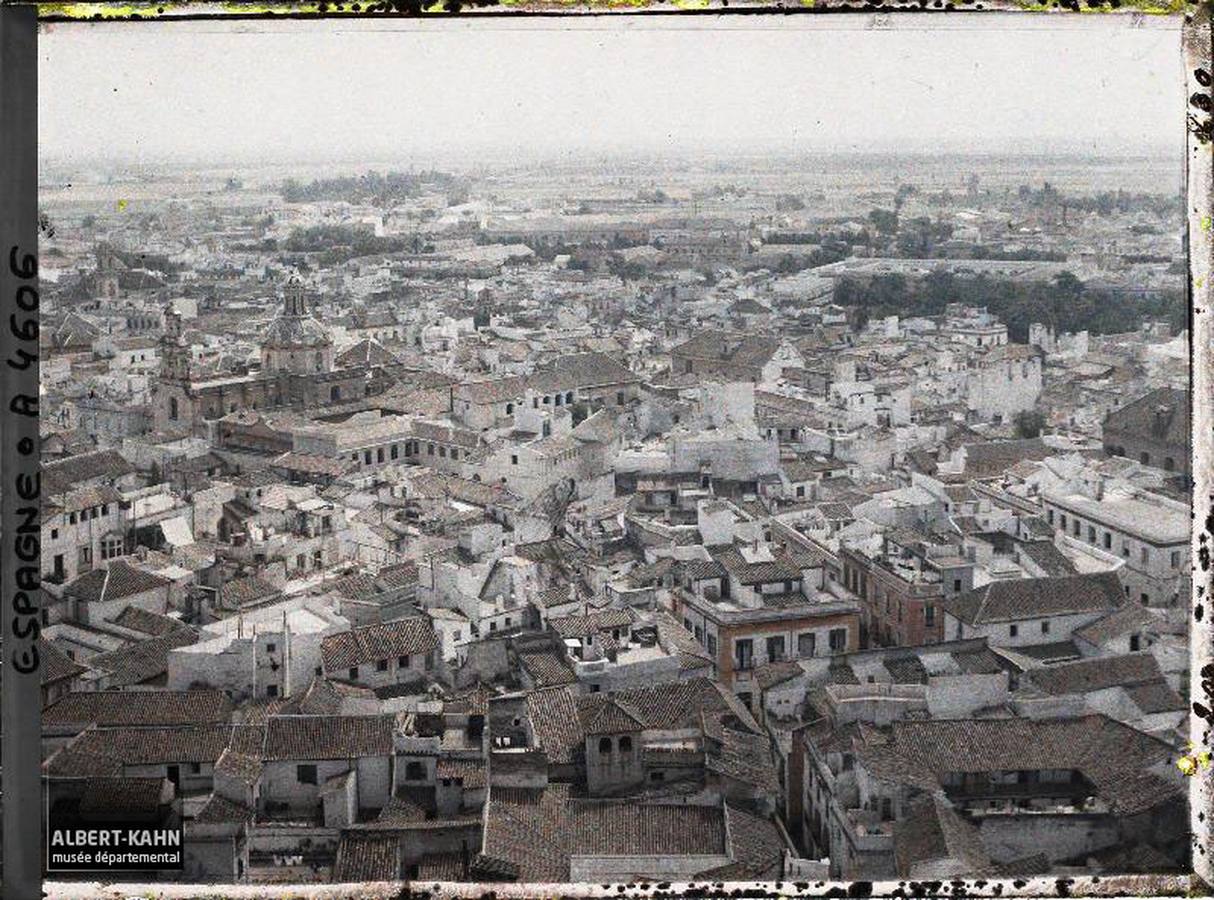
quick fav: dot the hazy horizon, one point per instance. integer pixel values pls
(703, 89)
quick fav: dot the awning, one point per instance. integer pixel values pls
(177, 531)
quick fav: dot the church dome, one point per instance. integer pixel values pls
(295, 326)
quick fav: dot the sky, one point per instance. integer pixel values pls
(341, 90)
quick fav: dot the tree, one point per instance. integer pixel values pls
(884, 221)
(1029, 423)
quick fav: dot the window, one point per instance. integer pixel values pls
(711, 641)
(956, 585)
(305, 774)
(1045, 627)
(619, 398)
(271, 690)
(1135, 643)
(270, 648)
(1062, 520)
(454, 453)
(1145, 555)
(604, 745)
(805, 644)
(1175, 559)
(381, 665)
(301, 561)
(414, 771)
(1108, 541)
(442, 451)
(514, 459)
(1145, 598)
(395, 451)
(509, 409)
(1075, 527)
(1169, 464)
(569, 397)
(775, 649)
(1091, 534)
(1145, 459)
(402, 661)
(929, 615)
(1013, 630)
(173, 408)
(379, 454)
(429, 449)
(1049, 516)
(800, 490)
(335, 392)
(743, 652)
(838, 640)
(54, 534)
(367, 457)
(657, 776)
(625, 744)
(353, 672)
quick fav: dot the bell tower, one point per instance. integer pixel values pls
(173, 405)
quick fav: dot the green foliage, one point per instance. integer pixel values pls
(372, 187)
(1064, 303)
(339, 243)
(1029, 424)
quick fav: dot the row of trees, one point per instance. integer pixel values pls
(371, 187)
(1065, 303)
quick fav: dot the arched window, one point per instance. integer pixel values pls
(604, 745)
(625, 744)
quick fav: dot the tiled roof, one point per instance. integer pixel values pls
(243, 766)
(405, 637)
(139, 708)
(745, 757)
(136, 618)
(111, 796)
(537, 831)
(580, 370)
(472, 771)
(1081, 676)
(114, 581)
(547, 668)
(612, 717)
(62, 474)
(367, 856)
(71, 763)
(220, 809)
(163, 744)
(56, 665)
(555, 723)
(244, 591)
(1130, 618)
(327, 737)
(366, 352)
(1024, 598)
(932, 831)
(755, 846)
(1113, 757)
(142, 660)
(593, 623)
(1162, 415)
